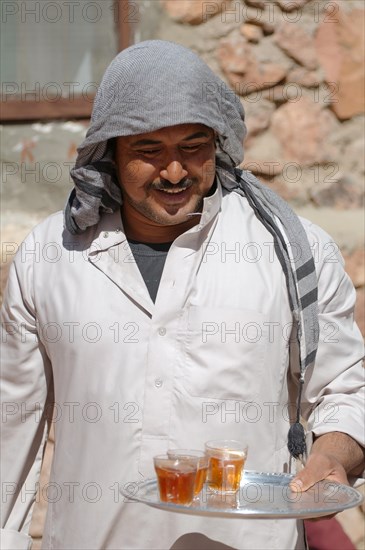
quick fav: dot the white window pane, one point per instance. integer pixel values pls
(56, 47)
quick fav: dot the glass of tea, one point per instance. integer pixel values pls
(226, 461)
(176, 479)
(199, 459)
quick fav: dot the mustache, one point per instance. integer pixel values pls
(166, 185)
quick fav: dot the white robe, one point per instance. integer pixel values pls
(131, 378)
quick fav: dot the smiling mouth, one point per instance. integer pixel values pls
(173, 191)
(166, 186)
(173, 196)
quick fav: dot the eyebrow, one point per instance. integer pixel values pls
(142, 142)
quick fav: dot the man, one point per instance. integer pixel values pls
(154, 335)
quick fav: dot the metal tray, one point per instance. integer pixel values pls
(261, 495)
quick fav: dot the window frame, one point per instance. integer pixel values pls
(79, 107)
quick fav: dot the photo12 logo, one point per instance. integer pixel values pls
(74, 11)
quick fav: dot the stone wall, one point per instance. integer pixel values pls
(298, 67)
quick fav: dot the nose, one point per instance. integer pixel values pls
(174, 172)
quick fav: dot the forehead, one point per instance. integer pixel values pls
(170, 134)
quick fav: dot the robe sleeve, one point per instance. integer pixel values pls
(26, 381)
(334, 392)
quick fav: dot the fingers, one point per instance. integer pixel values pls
(315, 470)
(303, 482)
(318, 468)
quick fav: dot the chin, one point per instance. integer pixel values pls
(170, 221)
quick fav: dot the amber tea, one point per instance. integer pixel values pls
(226, 462)
(176, 480)
(201, 476)
(225, 473)
(198, 459)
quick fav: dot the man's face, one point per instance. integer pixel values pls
(165, 174)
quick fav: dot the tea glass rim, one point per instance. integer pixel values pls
(220, 446)
(162, 460)
(193, 455)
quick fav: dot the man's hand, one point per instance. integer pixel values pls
(319, 466)
(333, 456)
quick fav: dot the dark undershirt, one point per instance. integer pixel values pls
(150, 259)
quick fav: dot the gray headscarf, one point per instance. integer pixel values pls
(149, 86)
(156, 84)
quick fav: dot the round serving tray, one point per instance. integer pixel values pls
(261, 495)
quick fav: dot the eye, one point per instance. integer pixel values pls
(149, 152)
(191, 148)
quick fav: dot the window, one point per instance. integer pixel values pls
(54, 53)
